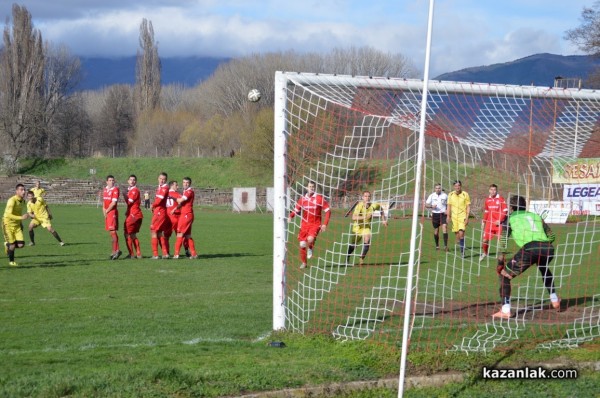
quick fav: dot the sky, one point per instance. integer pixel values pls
(466, 33)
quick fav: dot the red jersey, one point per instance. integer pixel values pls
(495, 209)
(160, 201)
(134, 200)
(110, 195)
(187, 206)
(311, 208)
(172, 203)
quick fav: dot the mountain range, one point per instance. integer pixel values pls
(537, 69)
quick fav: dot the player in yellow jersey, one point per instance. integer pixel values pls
(458, 210)
(11, 223)
(37, 190)
(361, 229)
(40, 215)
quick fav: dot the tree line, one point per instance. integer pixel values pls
(43, 115)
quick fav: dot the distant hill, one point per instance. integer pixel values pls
(188, 71)
(538, 69)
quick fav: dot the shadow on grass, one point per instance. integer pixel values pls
(227, 255)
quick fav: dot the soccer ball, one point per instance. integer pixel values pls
(253, 95)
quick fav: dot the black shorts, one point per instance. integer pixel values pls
(438, 219)
(539, 253)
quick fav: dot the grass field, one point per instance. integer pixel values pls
(73, 323)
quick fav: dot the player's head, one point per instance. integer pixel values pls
(162, 178)
(132, 180)
(31, 196)
(20, 190)
(37, 183)
(173, 185)
(493, 190)
(438, 188)
(366, 196)
(110, 180)
(187, 182)
(457, 184)
(311, 187)
(517, 202)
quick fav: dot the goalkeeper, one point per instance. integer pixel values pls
(361, 229)
(40, 215)
(534, 238)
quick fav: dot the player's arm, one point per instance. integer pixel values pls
(549, 233)
(357, 213)
(49, 213)
(467, 213)
(382, 215)
(326, 221)
(295, 212)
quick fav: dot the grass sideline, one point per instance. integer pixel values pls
(205, 172)
(73, 323)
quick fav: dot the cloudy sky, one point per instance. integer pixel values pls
(465, 32)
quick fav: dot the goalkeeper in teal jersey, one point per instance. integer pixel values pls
(534, 238)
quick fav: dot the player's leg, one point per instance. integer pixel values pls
(366, 244)
(33, 224)
(545, 256)
(354, 241)
(302, 252)
(445, 231)
(435, 221)
(55, 234)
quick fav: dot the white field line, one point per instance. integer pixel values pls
(91, 346)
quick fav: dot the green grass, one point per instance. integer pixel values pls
(205, 172)
(73, 323)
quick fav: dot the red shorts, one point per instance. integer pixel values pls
(132, 225)
(490, 231)
(184, 226)
(307, 230)
(174, 218)
(160, 221)
(111, 221)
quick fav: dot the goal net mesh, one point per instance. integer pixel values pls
(351, 134)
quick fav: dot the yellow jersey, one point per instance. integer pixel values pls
(13, 213)
(367, 212)
(39, 208)
(38, 192)
(458, 204)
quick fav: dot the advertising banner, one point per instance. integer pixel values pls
(576, 171)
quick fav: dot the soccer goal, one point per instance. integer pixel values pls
(354, 134)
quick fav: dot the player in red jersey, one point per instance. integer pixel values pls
(173, 211)
(110, 197)
(184, 225)
(160, 221)
(311, 206)
(495, 212)
(133, 218)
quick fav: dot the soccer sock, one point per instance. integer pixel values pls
(136, 246)
(446, 239)
(311, 244)
(115, 241)
(191, 246)
(351, 249)
(165, 245)
(486, 248)
(462, 245)
(178, 242)
(154, 243)
(55, 234)
(365, 249)
(303, 255)
(32, 236)
(11, 255)
(129, 243)
(436, 237)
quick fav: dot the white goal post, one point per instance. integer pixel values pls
(352, 133)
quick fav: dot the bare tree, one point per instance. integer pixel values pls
(21, 86)
(587, 37)
(147, 74)
(62, 75)
(114, 126)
